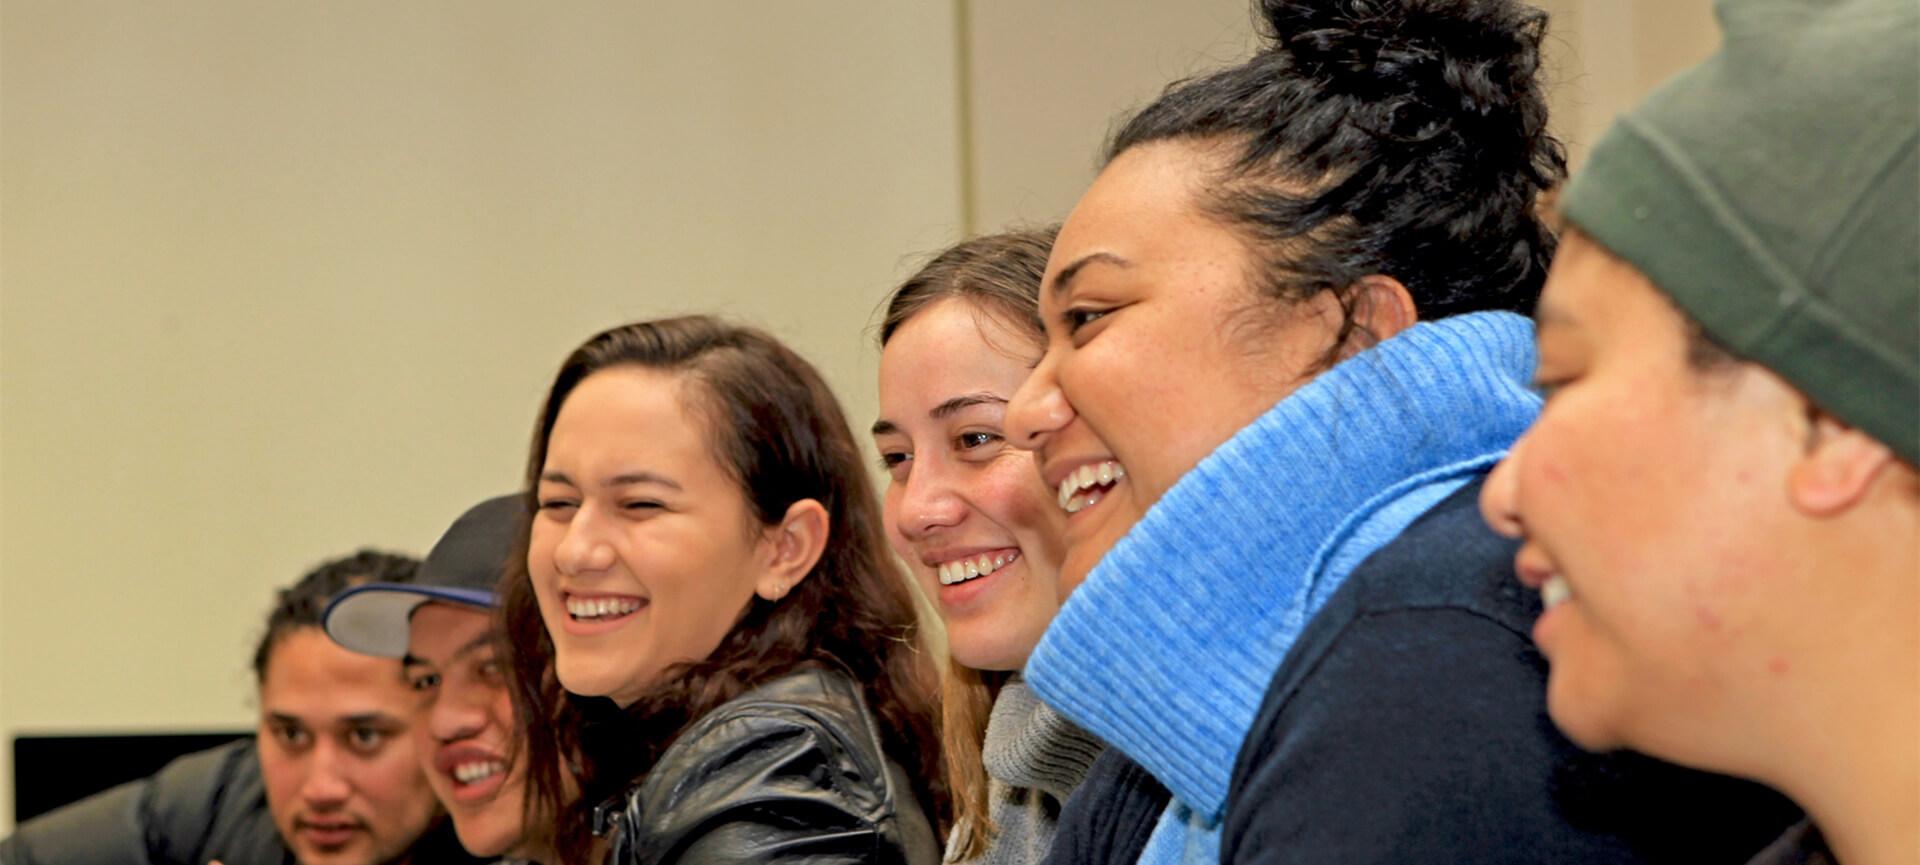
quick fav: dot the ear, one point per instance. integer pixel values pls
(792, 548)
(1838, 468)
(1383, 307)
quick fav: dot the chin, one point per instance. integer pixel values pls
(484, 836)
(584, 678)
(1581, 719)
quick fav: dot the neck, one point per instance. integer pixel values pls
(1854, 748)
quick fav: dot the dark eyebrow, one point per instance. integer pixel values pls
(284, 720)
(620, 480)
(1067, 273)
(946, 409)
(885, 427)
(630, 478)
(372, 719)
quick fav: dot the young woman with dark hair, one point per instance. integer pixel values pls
(978, 530)
(713, 653)
(1283, 350)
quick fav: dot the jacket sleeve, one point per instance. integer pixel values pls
(766, 787)
(107, 828)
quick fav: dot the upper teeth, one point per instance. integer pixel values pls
(979, 566)
(467, 773)
(1555, 592)
(1090, 475)
(590, 608)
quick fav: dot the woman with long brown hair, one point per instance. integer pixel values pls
(980, 533)
(713, 654)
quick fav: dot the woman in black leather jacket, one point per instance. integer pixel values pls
(714, 654)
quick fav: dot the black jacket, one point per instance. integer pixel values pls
(1408, 725)
(791, 772)
(200, 807)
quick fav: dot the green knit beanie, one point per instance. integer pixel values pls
(1773, 192)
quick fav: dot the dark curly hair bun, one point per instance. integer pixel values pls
(1442, 58)
(1398, 137)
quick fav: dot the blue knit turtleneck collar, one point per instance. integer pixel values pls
(1167, 649)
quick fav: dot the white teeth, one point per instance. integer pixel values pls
(601, 607)
(1086, 477)
(1555, 592)
(467, 773)
(953, 573)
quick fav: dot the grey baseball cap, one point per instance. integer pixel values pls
(462, 569)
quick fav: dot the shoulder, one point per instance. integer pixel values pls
(208, 804)
(791, 769)
(1418, 681)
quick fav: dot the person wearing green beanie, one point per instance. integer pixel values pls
(1719, 502)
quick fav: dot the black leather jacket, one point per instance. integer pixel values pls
(791, 772)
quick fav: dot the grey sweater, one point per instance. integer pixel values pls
(1034, 759)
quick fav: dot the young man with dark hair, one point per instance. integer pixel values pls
(330, 779)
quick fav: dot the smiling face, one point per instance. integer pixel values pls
(343, 783)
(967, 512)
(465, 737)
(644, 553)
(1651, 500)
(1158, 349)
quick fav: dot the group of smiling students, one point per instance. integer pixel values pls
(1252, 535)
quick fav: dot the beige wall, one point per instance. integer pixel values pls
(283, 279)
(278, 280)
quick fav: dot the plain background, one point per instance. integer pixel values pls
(281, 280)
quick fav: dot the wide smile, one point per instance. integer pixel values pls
(595, 613)
(475, 774)
(974, 566)
(1085, 486)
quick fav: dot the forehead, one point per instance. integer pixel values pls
(950, 348)
(312, 678)
(1589, 289)
(627, 419)
(437, 631)
(1143, 208)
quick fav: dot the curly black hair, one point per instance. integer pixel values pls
(1399, 137)
(301, 604)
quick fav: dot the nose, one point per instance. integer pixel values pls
(457, 713)
(326, 787)
(929, 502)
(584, 548)
(1499, 496)
(1038, 409)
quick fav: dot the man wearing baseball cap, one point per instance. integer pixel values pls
(1719, 502)
(441, 626)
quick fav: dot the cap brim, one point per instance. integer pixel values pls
(372, 619)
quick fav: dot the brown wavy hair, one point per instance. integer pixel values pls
(999, 275)
(777, 429)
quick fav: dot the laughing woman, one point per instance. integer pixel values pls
(980, 532)
(706, 615)
(1283, 349)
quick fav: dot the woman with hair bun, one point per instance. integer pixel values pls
(1286, 341)
(714, 656)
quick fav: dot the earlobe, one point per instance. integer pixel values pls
(1837, 470)
(793, 547)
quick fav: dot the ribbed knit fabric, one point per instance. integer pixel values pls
(1166, 650)
(1034, 759)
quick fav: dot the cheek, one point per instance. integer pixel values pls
(1011, 495)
